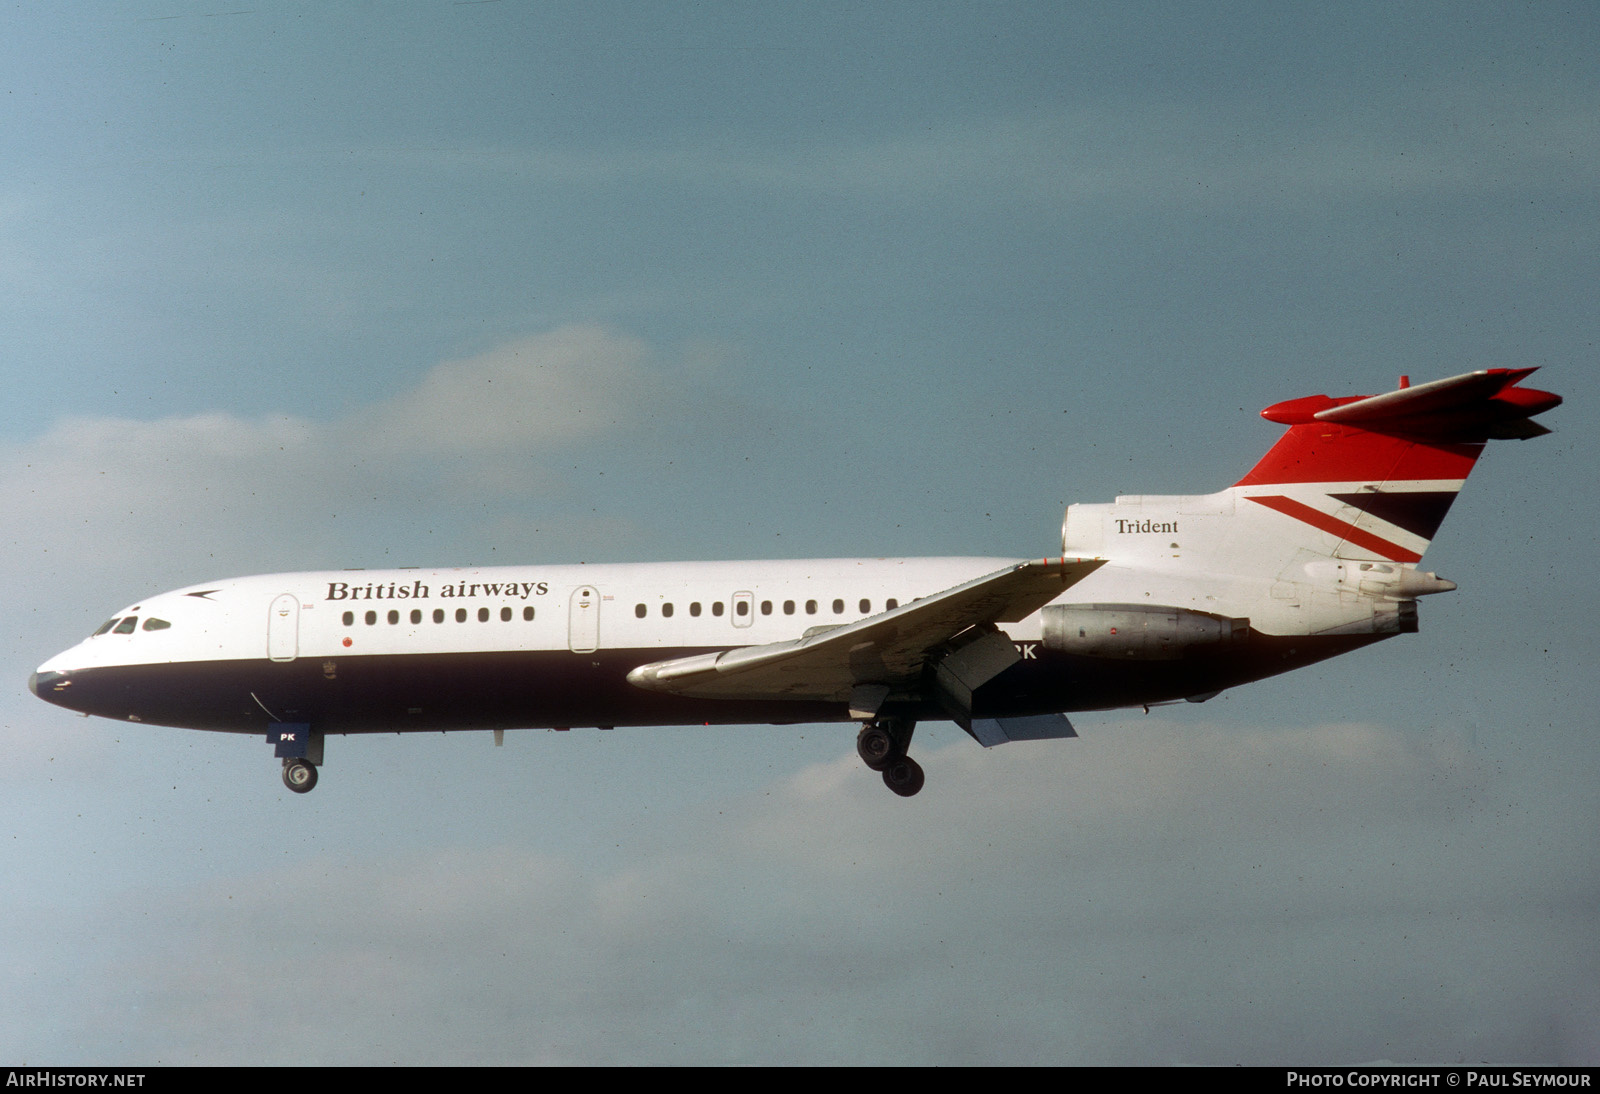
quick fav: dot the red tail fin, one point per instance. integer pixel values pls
(1432, 431)
(1389, 465)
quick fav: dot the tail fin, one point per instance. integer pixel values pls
(1378, 473)
(1322, 536)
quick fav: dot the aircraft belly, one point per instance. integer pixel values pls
(400, 692)
(1046, 681)
(531, 689)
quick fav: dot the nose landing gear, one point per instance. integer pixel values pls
(882, 745)
(299, 776)
(300, 748)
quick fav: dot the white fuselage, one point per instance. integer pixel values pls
(502, 647)
(645, 606)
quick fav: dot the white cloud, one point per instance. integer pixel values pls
(529, 395)
(94, 493)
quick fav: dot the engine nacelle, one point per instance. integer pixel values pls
(1137, 632)
(1388, 617)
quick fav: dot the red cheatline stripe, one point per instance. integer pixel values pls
(1332, 525)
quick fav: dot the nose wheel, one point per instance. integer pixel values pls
(300, 748)
(882, 745)
(299, 776)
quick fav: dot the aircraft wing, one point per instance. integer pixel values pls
(863, 662)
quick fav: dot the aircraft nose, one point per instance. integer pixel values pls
(49, 686)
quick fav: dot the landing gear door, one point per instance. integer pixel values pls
(583, 620)
(283, 628)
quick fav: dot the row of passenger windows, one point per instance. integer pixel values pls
(741, 608)
(439, 616)
(126, 625)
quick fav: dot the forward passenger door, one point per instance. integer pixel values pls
(583, 620)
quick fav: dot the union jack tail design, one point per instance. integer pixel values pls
(1375, 475)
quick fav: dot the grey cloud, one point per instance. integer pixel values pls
(1333, 894)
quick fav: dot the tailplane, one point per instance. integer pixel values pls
(1376, 474)
(1324, 533)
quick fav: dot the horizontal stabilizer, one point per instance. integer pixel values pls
(1474, 406)
(1518, 429)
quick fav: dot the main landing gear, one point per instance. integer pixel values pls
(882, 745)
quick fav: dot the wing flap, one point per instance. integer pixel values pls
(1037, 727)
(885, 650)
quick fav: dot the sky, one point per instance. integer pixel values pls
(351, 284)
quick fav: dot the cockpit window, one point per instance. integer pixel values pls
(154, 624)
(127, 625)
(104, 627)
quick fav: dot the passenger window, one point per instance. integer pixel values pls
(527, 614)
(438, 615)
(461, 615)
(349, 619)
(838, 607)
(891, 604)
(788, 607)
(505, 615)
(716, 608)
(741, 608)
(372, 617)
(483, 615)
(639, 611)
(866, 607)
(666, 611)
(394, 617)
(694, 608)
(154, 624)
(811, 607)
(127, 625)
(766, 607)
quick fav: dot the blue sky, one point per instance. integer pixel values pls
(356, 285)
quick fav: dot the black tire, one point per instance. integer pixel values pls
(299, 776)
(875, 745)
(904, 776)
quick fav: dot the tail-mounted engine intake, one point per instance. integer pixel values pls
(1137, 632)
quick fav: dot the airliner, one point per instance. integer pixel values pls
(1153, 599)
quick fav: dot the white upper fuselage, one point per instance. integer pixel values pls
(642, 606)
(638, 606)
